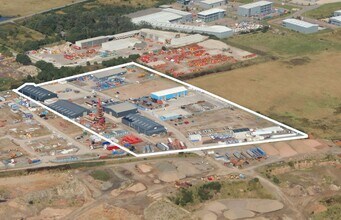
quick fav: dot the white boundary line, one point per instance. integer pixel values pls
(302, 134)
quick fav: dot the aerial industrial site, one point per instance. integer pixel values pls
(170, 109)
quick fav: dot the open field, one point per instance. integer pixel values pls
(135, 3)
(323, 11)
(11, 8)
(286, 43)
(302, 92)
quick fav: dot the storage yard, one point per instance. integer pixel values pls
(147, 113)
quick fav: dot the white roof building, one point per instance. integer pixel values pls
(255, 4)
(174, 90)
(300, 26)
(120, 44)
(336, 20)
(337, 13)
(162, 16)
(190, 39)
(211, 11)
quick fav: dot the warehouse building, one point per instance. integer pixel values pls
(255, 8)
(186, 40)
(300, 26)
(103, 75)
(185, 16)
(211, 14)
(337, 13)
(206, 4)
(37, 93)
(119, 110)
(120, 44)
(143, 124)
(336, 20)
(92, 42)
(216, 30)
(162, 16)
(69, 109)
(169, 93)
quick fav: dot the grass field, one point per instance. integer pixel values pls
(11, 8)
(288, 43)
(303, 92)
(323, 11)
(135, 3)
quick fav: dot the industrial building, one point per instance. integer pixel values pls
(300, 26)
(186, 40)
(183, 2)
(211, 14)
(156, 35)
(337, 13)
(206, 4)
(92, 42)
(255, 8)
(216, 30)
(37, 93)
(120, 44)
(169, 93)
(162, 16)
(109, 73)
(119, 110)
(69, 109)
(336, 20)
(143, 124)
(185, 16)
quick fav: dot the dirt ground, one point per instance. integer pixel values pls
(10, 7)
(305, 95)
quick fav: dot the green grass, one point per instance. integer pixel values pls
(288, 7)
(245, 1)
(286, 43)
(101, 175)
(324, 11)
(333, 211)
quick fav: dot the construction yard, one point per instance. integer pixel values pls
(188, 118)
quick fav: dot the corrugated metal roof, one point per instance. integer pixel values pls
(161, 16)
(190, 39)
(170, 91)
(142, 121)
(178, 12)
(120, 44)
(68, 108)
(92, 39)
(121, 107)
(39, 92)
(211, 11)
(255, 4)
(299, 23)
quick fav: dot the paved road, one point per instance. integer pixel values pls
(41, 12)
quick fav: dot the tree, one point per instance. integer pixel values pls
(23, 59)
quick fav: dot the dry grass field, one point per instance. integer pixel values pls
(134, 3)
(304, 92)
(26, 7)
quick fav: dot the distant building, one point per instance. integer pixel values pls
(169, 93)
(300, 26)
(69, 109)
(37, 93)
(184, 2)
(336, 20)
(255, 8)
(185, 16)
(211, 14)
(206, 4)
(120, 44)
(92, 42)
(105, 74)
(143, 124)
(337, 13)
(120, 109)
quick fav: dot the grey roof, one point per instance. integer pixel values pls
(68, 108)
(121, 107)
(299, 23)
(142, 121)
(108, 73)
(39, 92)
(255, 4)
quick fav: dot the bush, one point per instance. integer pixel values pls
(23, 59)
(185, 197)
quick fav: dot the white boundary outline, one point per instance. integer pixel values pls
(302, 135)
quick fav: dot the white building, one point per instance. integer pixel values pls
(300, 26)
(206, 4)
(211, 14)
(255, 8)
(120, 44)
(92, 42)
(337, 13)
(186, 16)
(162, 16)
(336, 20)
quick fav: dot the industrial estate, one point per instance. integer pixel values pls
(170, 109)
